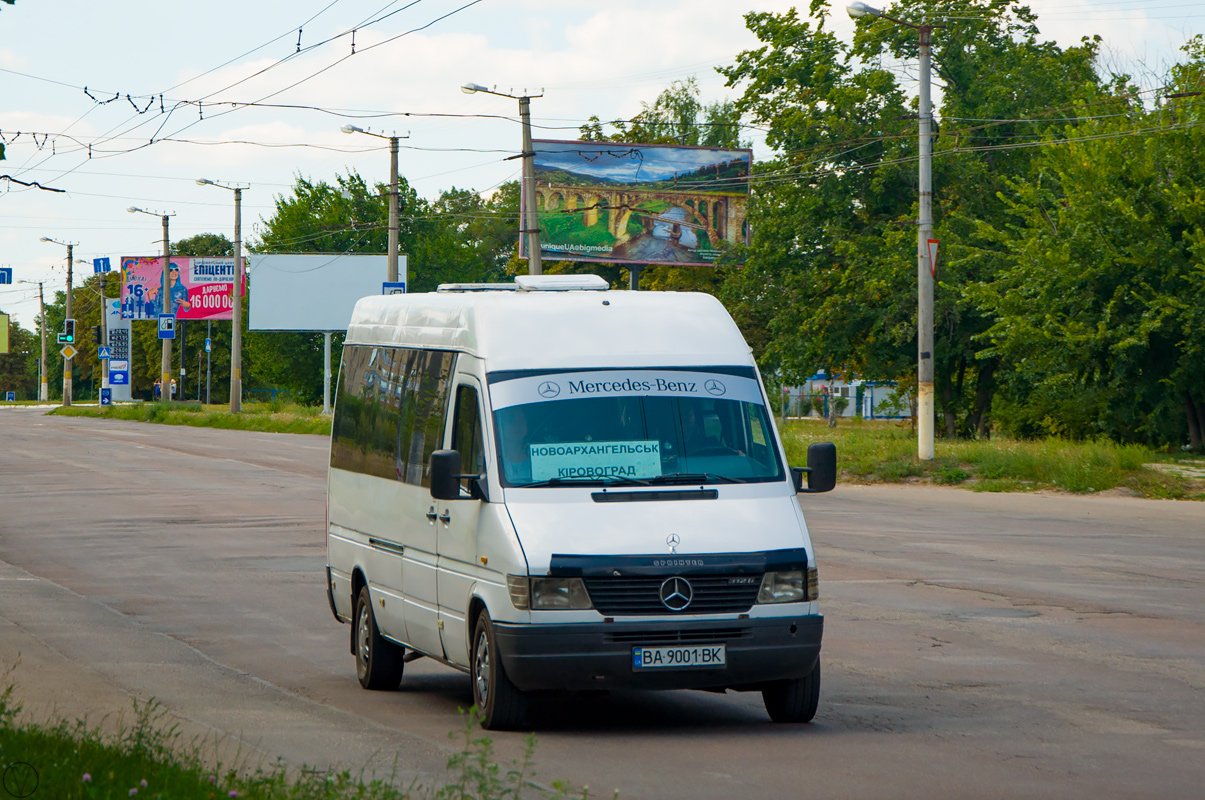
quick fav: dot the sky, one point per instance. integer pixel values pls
(81, 86)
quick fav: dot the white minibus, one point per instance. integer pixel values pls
(554, 487)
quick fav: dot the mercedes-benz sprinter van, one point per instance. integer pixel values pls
(555, 487)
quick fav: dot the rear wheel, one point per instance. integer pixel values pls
(379, 661)
(502, 706)
(794, 700)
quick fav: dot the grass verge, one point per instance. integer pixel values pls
(873, 451)
(267, 417)
(147, 760)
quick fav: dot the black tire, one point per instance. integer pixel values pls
(379, 661)
(794, 700)
(501, 705)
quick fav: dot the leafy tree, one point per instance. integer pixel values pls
(19, 366)
(830, 281)
(1098, 315)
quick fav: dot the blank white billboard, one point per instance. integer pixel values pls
(312, 292)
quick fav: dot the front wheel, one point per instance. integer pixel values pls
(794, 700)
(503, 707)
(379, 661)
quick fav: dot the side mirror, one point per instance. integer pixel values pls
(445, 475)
(446, 478)
(821, 470)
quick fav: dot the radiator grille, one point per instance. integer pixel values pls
(712, 594)
(676, 637)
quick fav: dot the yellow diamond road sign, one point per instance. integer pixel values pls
(68, 351)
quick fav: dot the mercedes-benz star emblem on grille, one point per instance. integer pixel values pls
(715, 387)
(548, 389)
(672, 540)
(676, 593)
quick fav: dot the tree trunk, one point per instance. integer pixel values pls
(985, 384)
(947, 407)
(1194, 422)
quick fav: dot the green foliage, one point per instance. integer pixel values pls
(19, 366)
(272, 417)
(874, 451)
(675, 117)
(148, 758)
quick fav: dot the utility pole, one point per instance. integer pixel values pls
(165, 307)
(531, 220)
(925, 269)
(43, 387)
(393, 194)
(236, 340)
(67, 310)
(208, 357)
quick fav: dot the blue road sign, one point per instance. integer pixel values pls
(106, 397)
(104, 352)
(167, 326)
(6, 274)
(208, 345)
(11, 397)
(100, 265)
(391, 287)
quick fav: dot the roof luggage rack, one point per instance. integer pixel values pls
(534, 283)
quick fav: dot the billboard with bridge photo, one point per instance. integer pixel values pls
(639, 203)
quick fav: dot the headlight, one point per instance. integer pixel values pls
(782, 587)
(557, 593)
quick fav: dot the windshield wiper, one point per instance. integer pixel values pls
(693, 477)
(583, 480)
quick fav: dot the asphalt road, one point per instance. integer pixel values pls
(975, 645)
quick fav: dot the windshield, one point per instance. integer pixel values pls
(633, 427)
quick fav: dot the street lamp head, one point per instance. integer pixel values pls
(859, 9)
(45, 239)
(473, 88)
(352, 129)
(204, 182)
(134, 209)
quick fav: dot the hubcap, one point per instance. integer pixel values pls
(363, 642)
(481, 667)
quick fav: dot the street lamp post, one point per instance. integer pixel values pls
(393, 194)
(165, 306)
(104, 329)
(925, 415)
(531, 222)
(236, 337)
(43, 389)
(67, 311)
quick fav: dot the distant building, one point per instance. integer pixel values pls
(869, 399)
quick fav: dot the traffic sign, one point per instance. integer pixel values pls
(68, 352)
(104, 352)
(106, 397)
(6, 274)
(100, 265)
(11, 397)
(208, 345)
(393, 287)
(167, 326)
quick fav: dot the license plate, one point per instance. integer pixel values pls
(700, 655)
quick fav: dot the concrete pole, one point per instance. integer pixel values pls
(925, 414)
(208, 359)
(104, 333)
(393, 222)
(67, 361)
(326, 373)
(236, 340)
(531, 223)
(43, 386)
(165, 307)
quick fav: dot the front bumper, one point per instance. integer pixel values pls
(599, 655)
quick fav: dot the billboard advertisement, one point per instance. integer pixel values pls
(198, 288)
(313, 292)
(639, 203)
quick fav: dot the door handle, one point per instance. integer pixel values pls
(446, 517)
(431, 515)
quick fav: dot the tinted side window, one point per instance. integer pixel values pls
(386, 402)
(424, 405)
(466, 432)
